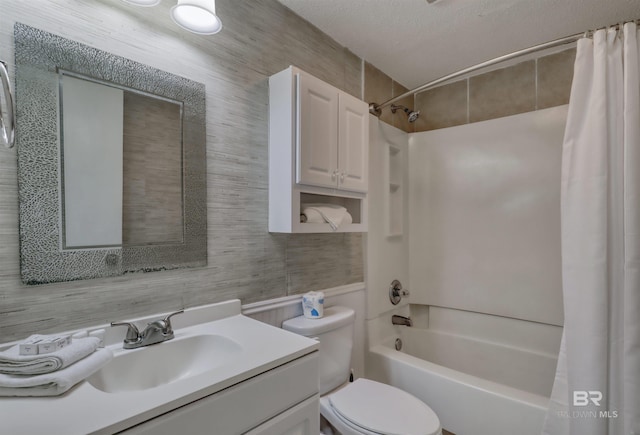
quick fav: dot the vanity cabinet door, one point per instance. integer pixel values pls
(317, 132)
(244, 406)
(302, 419)
(353, 144)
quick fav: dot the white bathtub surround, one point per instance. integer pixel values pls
(381, 330)
(503, 331)
(480, 254)
(484, 216)
(481, 374)
(513, 366)
(387, 242)
(599, 364)
(465, 404)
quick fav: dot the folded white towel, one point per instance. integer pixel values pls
(312, 216)
(11, 362)
(332, 214)
(348, 219)
(54, 384)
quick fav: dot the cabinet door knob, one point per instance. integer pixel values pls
(342, 174)
(334, 174)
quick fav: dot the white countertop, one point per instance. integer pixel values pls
(86, 410)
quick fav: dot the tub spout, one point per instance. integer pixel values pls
(401, 320)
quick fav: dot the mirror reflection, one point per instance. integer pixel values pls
(122, 165)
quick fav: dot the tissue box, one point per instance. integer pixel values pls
(313, 305)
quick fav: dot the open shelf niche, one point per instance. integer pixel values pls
(394, 192)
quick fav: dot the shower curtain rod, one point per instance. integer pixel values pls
(376, 109)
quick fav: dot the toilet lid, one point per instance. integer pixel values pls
(384, 409)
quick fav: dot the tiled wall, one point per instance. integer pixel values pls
(378, 88)
(259, 38)
(529, 85)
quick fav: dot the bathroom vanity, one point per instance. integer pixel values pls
(223, 373)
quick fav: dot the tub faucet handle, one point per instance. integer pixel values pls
(396, 292)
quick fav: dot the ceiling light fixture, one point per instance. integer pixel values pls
(144, 3)
(197, 16)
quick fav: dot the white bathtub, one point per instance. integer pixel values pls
(476, 387)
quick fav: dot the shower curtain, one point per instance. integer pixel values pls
(597, 384)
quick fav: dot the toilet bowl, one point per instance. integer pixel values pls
(362, 407)
(372, 408)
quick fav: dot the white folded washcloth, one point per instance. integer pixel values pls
(11, 362)
(332, 214)
(54, 384)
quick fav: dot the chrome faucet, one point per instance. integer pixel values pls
(156, 332)
(401, 320)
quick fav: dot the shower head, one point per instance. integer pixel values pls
(411, 115)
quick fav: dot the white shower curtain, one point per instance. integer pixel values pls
(597, 384)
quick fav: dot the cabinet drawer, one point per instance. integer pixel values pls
(241, 407)
(302, 419)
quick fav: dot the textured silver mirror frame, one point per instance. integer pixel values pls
(39, 55)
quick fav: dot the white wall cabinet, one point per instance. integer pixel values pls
(353, 143)
(318, 151)
(332, 136)
(317, 132)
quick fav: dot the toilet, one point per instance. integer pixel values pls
(363, 406)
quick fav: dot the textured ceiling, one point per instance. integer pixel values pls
(415, 42)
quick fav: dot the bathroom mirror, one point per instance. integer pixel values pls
(111, 163)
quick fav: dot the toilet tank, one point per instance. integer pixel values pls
(335, 333)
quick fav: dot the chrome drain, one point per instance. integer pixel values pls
(398, 344)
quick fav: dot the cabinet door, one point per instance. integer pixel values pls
(353, 144)
(302, 419)
(317, 132)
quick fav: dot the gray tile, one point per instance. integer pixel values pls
(400, 118)
(352, 74)
(555, 74)
(503, 92)
(378, 88)
(441, 107)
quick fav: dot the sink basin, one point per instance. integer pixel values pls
(163, 363)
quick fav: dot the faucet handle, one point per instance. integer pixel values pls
(133, 335)
(167, 321)
(396, 292)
